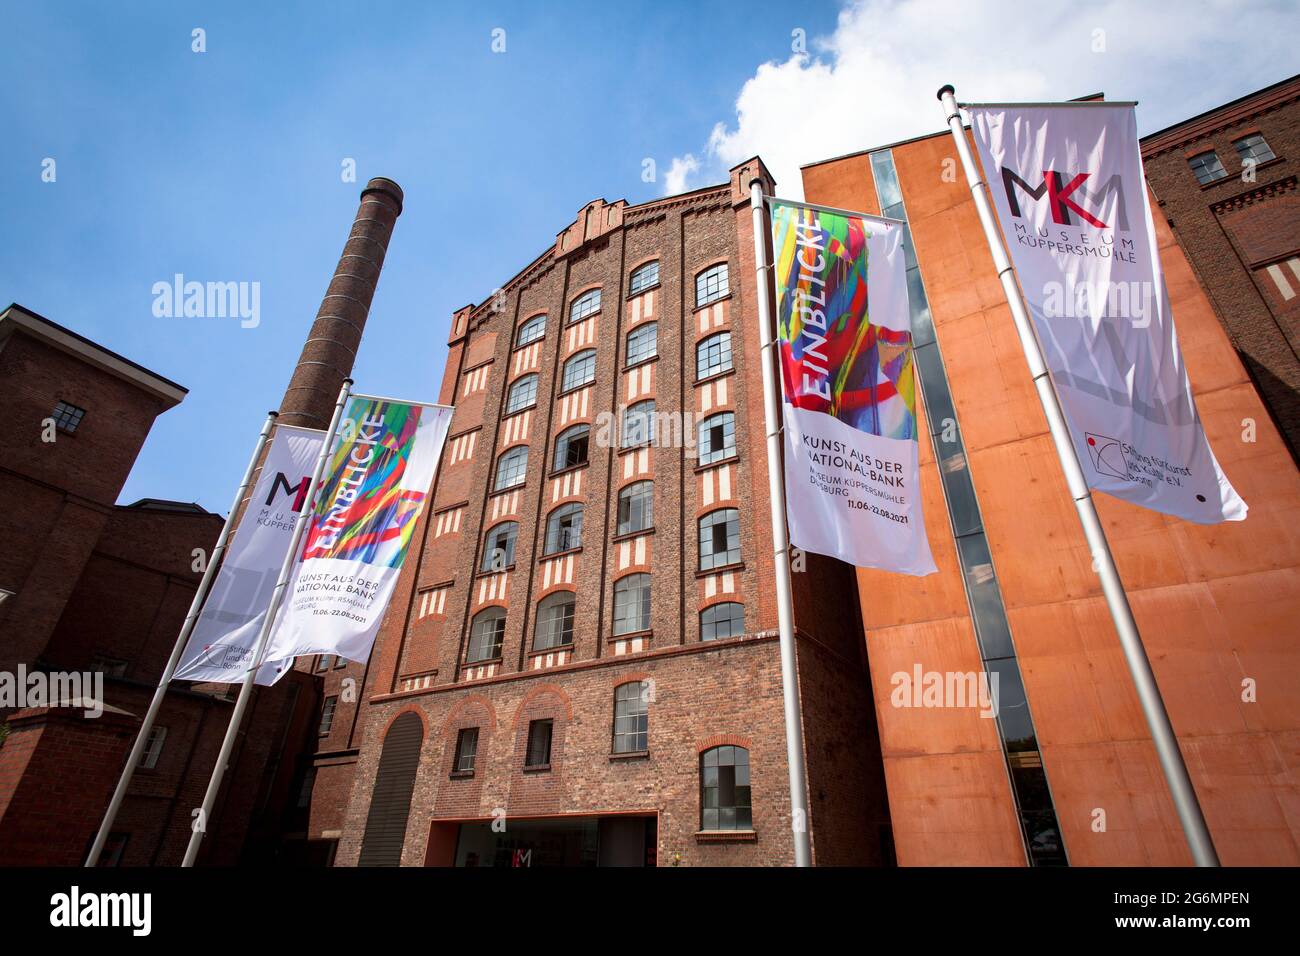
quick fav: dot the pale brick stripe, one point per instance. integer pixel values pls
(447, 522)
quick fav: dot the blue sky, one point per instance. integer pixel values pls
(225, 165)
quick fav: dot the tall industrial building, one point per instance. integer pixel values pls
(581, 664)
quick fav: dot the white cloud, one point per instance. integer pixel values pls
(679, 173)
(873, 80)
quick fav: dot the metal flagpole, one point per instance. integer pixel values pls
(1153, 706)
(794, 749)
(264, 635)
(200, 595)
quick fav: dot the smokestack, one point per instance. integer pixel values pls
(331, 347)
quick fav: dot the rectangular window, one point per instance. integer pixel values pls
(636, 507)
(153, 748)
(631, 718)
(632, 604)
(323, 663)
(67, 417)
(1253, 149)
(539, 744)
(1207, 168)
(109, 666)
(327, 715)
(466, 750)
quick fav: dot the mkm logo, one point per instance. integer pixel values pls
(1060, 197)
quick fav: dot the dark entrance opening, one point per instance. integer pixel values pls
(563, 841)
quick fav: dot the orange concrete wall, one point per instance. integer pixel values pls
(1216, 605)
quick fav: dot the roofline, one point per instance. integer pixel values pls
(1272, 87)
(92, 352)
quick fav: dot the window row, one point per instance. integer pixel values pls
(715, 440)
(555, 612)
(711, 285)
(1251, 150)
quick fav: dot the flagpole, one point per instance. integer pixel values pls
(200, 595)
(264, 635)
(794, 746)
(1153, 706)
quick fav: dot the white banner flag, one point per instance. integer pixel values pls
(220, 647)
(852, 480)
(1068, 186)
(375, 486)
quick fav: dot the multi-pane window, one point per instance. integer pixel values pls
(724, 789)
(584, 305)
(511, 468)
(713, 355)
(642, 342)
(67, 417)
(643, 278)
(532, 330)
(717, 438)
(466, 750)
(631, 718)
(539, 744)
(327, 715)
(1207, 167)
(719, 538)
(636, 507)
(571, 447)
(486, 635)
(711, 285)
(563, 529)
(554, 621)
(323, 663)
(153, 747)
(523, 394)
(579, 370)
(722, 620)
(632, 604)
(1253, 148)
(639, 424)
(499, 547)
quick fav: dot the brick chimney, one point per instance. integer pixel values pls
(331, 347)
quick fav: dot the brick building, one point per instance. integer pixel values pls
(1068, 773)
(582, 648)
(93, 586)
(1226, 181)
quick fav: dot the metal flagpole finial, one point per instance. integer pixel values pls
(946, 88)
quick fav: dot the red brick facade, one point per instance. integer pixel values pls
(1241, 233)
(700, 693)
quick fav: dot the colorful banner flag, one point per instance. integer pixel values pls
(375, 486)
(852, 478)
(220, 647)
(1068, 186)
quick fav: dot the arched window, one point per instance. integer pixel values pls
(724, 789)
(499, 547)
(632, 604)
(643, 278)
(390, 798)
(713, 355)
(719, 539)
(717, 438)
(722, 620)
(642, 342)
(563, 529)
(639, 424)
(584, 305)
(579, 370)
(571, 447)
(512, 466)
(486, 633)
(631, 717)
(711, 284)
(636, 507)
(532, 330)
(554, 621)
(523, 393)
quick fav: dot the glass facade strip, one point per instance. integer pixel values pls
(1043, 844)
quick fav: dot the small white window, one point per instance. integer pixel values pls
(153, 748)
